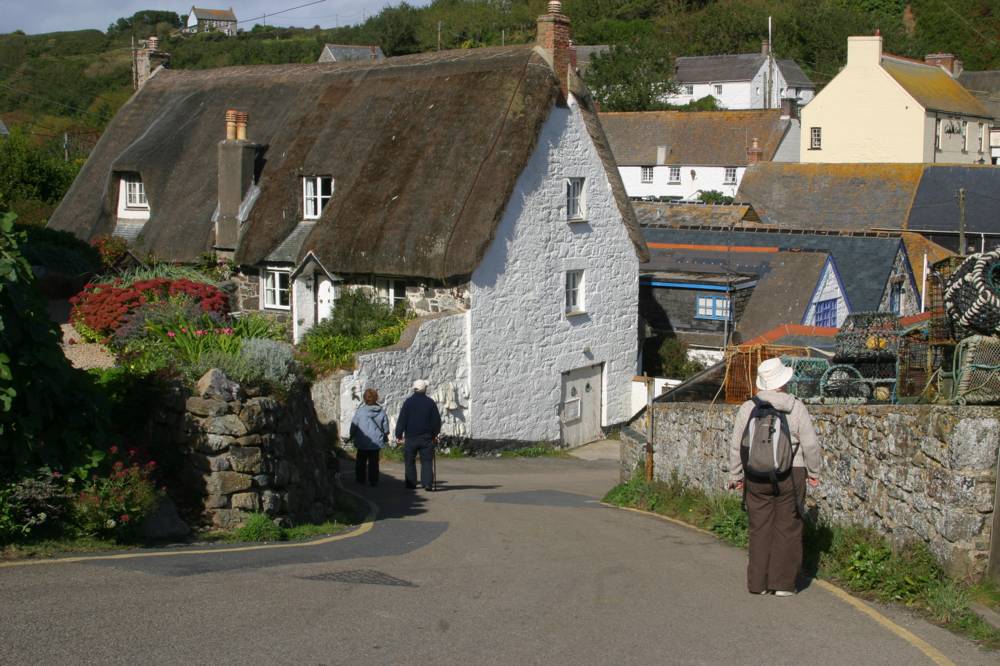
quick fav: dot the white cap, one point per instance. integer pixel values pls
(420, 385)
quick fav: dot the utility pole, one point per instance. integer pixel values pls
(66, 146)
(770, 65)
(650, 389)
(439, 35)
(503, 38)
(961, 221)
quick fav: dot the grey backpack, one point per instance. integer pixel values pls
(766, 450)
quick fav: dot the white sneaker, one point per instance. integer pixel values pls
(783, 593)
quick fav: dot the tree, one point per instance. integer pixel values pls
(636, 75)
(714, 197)
(674, 361)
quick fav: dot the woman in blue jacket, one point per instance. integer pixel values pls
(369, 432)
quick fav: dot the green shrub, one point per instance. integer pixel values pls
(155, 271)
(274, 360)
(674, 362)
(260, 527)
(58, 251)
(116, 505)
(357, 314)
(32, 507)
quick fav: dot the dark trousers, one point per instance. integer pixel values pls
(424, 446)
(775, 533)
(366, 465)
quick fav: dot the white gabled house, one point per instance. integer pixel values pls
(477, 186)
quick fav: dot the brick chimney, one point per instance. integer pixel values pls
(946, 61)
(754, 152)
(236, 167)
(147, 60)
(554, 37)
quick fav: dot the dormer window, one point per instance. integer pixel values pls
(135, 192)
(316, 192)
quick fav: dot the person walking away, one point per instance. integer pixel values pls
(418, 426)
(773, 453)
(369, 432)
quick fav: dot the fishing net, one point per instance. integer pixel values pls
(868, 336)
(977, 370)
(844, 381)
(808, 373)
(740, 383)
(972, 297)
(939, 327)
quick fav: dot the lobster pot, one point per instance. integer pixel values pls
(868, 336)
(877, 369)
(977, 378)
(808, 371)
(939, 327)
(972, 297)
(913, 367)
(844, 382)
(740, 383)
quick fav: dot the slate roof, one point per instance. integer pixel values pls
(214, 14)
(863, 197)
(425, 151)
(783, 292)
(932, 87)
(863, 263)
(709, 138)
(290, 248)
(738, 67)
(985, 86)
(351, 52)
(675, 213)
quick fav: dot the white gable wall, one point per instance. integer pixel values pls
(520, 339)
(829, 287)
(693, 179)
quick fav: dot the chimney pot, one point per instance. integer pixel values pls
(555, 7)
(153, 43)
(765, 47)
(241, 125)
(554, 38)
(754, 152)
(231, 124)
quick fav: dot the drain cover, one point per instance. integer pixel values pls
(362, 576)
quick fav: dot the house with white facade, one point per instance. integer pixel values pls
(211, 20)
(883, 108)
(741, 81)
(476, 184)
(351, 52)
(680, 155)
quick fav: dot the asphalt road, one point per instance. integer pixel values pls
(511, 562)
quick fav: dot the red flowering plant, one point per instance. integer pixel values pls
(111, 249)
(115, 504)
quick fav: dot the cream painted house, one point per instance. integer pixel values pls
(883, 108)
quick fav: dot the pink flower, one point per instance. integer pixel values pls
(171, 334)
(184, 330)
(56, 475)
(199, 332)
(123, 518)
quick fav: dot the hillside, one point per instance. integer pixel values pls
(61, 88)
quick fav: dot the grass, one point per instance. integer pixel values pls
(540, 450)
(856, 558)
(395, 453)
(49, 548)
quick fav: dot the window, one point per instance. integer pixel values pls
(574, 199)
(982, 137)
(276, 292)
(135, 193)
(647, 174)
(718, 89)
(826, 312)
(675, 175)
(389, 291)
(316, 192)
(712, 307)
(937, 134)
(965, 136)
(574, 292)
(688, 90)
(730, 178)
(896, 298)
(815, 138)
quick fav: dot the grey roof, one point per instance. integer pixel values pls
(985, 85)
(291, 247)
(714, 68)
(214, 14)
(864, 263)
(793, 74)
(676, 213)
(783, 293)
(935, 204)
(348, 52)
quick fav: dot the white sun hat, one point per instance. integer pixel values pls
(420, 385)
(772, 374)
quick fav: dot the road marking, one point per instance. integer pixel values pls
(366, 526)
(929, 650)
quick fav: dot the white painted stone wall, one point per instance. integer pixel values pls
(521, 341)
(438, 353)
(693, 179)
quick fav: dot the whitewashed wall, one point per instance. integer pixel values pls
(703, 178)
(520, 340)
(438, 353)
(829, 287)
(750, 94)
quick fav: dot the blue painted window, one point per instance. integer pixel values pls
(826, 312)
(712, 307)
(896, 299)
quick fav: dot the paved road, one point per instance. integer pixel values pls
(512, 562)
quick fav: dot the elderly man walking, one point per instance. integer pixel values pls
(418, 426)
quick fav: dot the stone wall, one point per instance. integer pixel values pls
(252, 454)
(910, 472)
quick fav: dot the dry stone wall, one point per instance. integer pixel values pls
(910, 472)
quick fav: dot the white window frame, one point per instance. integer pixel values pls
(815, 138)
(674, 176)
(390, 291)
(712, 306)
(982, 137)
(730, 176)
(315, 201)
(135, 192)
(938, 128)
(965, 136)
(575, 292)
(646, 174)
(576, 199)
(271, 289)
(689, 89)
(717, 88)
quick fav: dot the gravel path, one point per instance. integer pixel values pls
(84, 355)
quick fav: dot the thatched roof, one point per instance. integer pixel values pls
(424, 150)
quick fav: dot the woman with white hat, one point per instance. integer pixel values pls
(774, 503)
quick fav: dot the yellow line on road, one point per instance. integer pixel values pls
(929, 650)
(366, 525)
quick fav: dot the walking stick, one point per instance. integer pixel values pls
(434, 465)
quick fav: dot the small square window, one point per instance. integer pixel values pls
(730, 178)
(647, 174)
(689, 90)
(316, 192)
(712, 307)
(574, 292)
(135, 192)
(276, 289)
(826, 313)
(718, 89)
(675, 175)
(815, 138)
(575, 200)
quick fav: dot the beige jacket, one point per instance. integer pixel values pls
(799, 425)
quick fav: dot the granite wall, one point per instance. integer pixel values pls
(908, 471)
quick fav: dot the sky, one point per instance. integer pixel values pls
(56, 15)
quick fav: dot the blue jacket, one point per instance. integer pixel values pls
(369, 428)
(419, 416)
